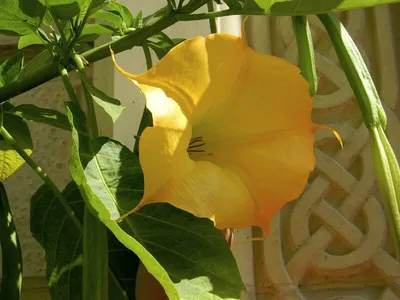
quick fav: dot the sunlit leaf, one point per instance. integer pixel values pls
(108, 16)
(34, 65)
(111, 105)
(10, 160)
(11, 68)
(302, 7)
(34, 113)
(123, 11)
(64, 9)
(30, 39)
(161, 44)
(196, 262)
(20, 17)
(92, 31)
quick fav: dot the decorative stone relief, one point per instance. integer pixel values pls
(333, 242)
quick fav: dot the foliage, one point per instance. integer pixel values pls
(187, 255)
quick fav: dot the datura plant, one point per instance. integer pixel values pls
(225, 141)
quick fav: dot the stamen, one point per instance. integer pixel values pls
(189, 150)
(196, 146)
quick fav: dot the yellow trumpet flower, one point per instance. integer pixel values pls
(233, 137)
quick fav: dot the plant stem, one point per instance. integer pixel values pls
(147, 55)
(95, 248)
(306, 52)
(213, 23)
(13, 143)
(50, 71)
(217, 14)
(92, 119)
(67, 83)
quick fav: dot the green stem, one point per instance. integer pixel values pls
(10, 250)
(95, 258)
(213, 23)
(50, 71)
(13, 143)
(95, 248)
(306, 52)
(388, 175)
(147, 55)
(92, 119)
(218, 14)
(67, 83)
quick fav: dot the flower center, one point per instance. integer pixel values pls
(196, 147)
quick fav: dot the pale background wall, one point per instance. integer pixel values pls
(333, 242)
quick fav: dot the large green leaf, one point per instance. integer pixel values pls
(193, 258)
(10, 160)
(62, 242)
(63, 9)
(20, 17)
(161, 44)
(108, 16)
(10, 68)
(91, 32)
(34, 113)
(38, 62)
(111, 105)
(10, 251)
(30, 39)
(123, 11)
(302, 7)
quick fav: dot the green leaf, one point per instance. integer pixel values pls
(89, 7)
(162, 44)
(305, 7)
(10, 251)
(62, 242)
(111, 105)
(37, 63)
(20, 17)
(34, 113)
(193, 252)
(63, 9)
(138, 21)
(30, 39)
(123, 11)
(356, 72)
(92, 31)
(10, 160)
(108, 16)
(10, 69)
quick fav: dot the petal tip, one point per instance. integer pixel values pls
(337, 135)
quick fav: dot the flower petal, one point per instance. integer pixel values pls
(196, 73)
(269, 95)
(275, 169)
(208, 191)
(163, 158)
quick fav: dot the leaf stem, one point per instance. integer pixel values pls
(213, 23)
(95, 248)
(67, 83)
(147, 55)
(92, 119)
(306, 52)
(13, 143)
